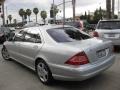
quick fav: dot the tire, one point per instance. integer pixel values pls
(44, 73)
(5, 53)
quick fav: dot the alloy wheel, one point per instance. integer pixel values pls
(43, 72)
(5, 54)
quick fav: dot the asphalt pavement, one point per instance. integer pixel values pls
(14, 76)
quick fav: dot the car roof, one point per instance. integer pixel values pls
(111, 20)
(44, 27)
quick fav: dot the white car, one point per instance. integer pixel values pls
(109, 30)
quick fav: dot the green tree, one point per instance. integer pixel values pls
(28, 11)
(99, 14)
(22, 13)
(2, 0)
(85, 15)
(36, 11)
(55, 10)
(10, 18)
(43, 15)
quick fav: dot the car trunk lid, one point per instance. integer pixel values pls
(109, 34)
(94, 48)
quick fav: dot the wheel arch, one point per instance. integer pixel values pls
(39, 59)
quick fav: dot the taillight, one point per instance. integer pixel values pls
(78, 59)
(95, 34)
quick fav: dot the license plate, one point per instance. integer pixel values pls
(101, 53)
(111, 35)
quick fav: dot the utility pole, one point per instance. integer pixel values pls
(73, 3)
(63, 12)
(100, 13)
(118, 9)
(108, 7)
(54, 11)
(6, 15)
(118, 5)
(113, 8)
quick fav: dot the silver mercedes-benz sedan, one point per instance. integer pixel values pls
(61, 53)
(109, 30)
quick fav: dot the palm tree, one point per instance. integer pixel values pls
(22, 13)
(10, 18)
(25, 16)
(43, 15)
(55, 10)
(36, 11)
(15, 22)
(28, 12)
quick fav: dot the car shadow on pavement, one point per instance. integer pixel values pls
(95, 82)
(100, 81)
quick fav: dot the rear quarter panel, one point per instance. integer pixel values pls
(56, 54)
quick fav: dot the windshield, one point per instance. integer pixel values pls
(67, 34)
(109, 25)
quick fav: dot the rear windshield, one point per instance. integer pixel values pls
(109, 25)
(67, 34)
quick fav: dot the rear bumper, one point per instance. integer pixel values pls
(81, 73)
(115, 41)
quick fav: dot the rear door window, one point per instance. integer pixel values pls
(29, 37)
(20, 36)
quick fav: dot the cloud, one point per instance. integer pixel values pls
(81, 6)
(15, 4)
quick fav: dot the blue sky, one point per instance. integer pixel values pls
(13, 6)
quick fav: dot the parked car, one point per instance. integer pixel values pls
(31, 24)
(109, 30)
(4, 34)
(2, 37)
(60, 53)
